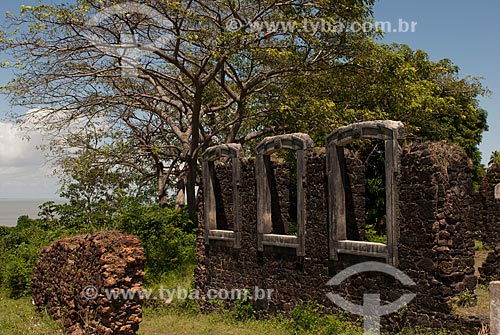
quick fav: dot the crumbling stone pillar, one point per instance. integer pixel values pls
(490, 197)
(74, 277)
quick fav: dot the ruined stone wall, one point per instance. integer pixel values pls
(221, 266)
(491, 207)
(68, 271)
(435, 245)
(488, 223)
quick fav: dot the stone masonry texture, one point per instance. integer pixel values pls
(436, 246)
(107, 261)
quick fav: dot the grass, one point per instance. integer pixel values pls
(480, 308)
(18, 317)
(170, 322)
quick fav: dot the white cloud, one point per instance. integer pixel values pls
(24, 171)
(18, 148)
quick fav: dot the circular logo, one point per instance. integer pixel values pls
(371, 309)
(234, 25)
(90, 292)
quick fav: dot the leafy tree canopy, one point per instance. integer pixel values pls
(391, 82)
(197, 79)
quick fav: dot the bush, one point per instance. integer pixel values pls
(168, 237)
(243, 309)
(19, 250)
(306, 317)
(310, 318)
(18, 270)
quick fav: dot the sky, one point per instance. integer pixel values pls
(24, 171)
(466, 32)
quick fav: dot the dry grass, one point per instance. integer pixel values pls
(18, 317)
(172, 323)
(481, 309)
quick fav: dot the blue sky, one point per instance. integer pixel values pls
(466, 32)
(24, 172)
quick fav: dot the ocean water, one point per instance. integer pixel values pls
(11, 210)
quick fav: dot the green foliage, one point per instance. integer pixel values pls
(309, 318)
(95, 189)
(373, 155)
(479, 246)
(305, 317)
(19, 249)
(168, 236)
(372, 235)
(390, 82)
(18, 270)
(242, 310)
(466, 299)
(494, 158)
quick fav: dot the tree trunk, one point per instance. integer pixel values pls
(191, 185)
(162, 185)
(192, 161)
(180, 200)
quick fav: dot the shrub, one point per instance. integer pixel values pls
(167, 235)
(19, 249)
(306, 317)
(243, 310)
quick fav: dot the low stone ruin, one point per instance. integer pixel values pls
(74, 276)
(245, 238)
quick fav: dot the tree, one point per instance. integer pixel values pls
(204, 77)
(494, 158)
(397, 83)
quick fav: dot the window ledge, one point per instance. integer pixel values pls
(362, 248)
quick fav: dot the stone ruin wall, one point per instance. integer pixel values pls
(435, 245)
(490, 206)
(106, 261)
(489, 213)
(438, 215)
